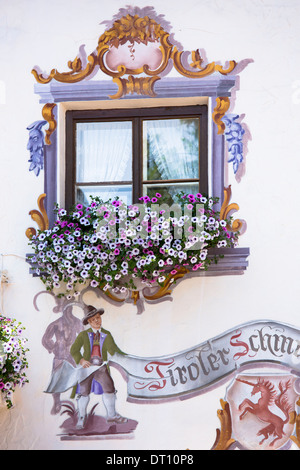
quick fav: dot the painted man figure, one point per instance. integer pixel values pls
(90, 348)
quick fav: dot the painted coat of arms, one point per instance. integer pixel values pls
(263, 409)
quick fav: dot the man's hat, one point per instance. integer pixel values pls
(91, 311)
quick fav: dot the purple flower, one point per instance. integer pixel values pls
(116, 203)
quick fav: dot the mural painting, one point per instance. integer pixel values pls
(259, 361)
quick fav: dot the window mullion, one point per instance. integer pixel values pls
(137, 159)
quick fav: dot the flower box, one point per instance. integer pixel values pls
(108, 245)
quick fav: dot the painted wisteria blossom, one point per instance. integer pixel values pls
(112, 246)
(13, 361)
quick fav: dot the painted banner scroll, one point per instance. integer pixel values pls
(208, 365)
(196, 370)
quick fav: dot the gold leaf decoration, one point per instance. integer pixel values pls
(224, 439)
(221, 108)
(227, 209)
(40, 217)
(134, 29)
(48, 115)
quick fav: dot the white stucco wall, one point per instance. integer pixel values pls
(49, 34)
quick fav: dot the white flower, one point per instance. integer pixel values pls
(84, 274)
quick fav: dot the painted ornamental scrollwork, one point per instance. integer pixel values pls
(39, 216)
(137, 51)
(35, 145)
(234, 137)
(135, 45)
(226, 210)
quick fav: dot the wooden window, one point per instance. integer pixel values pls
(134, 152)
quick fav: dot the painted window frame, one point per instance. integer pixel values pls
(213, 91)
(169, 92)
(136, 116)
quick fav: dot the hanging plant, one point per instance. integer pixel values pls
(13, 362)
(112, 246)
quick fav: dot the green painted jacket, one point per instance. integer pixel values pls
(82, 347)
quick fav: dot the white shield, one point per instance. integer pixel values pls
(262, 410)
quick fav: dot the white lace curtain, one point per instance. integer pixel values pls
(173, 147)
(104, 152)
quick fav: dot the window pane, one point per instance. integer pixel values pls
(104, 151)
(83, 193)
(169, 191)
(171, 149)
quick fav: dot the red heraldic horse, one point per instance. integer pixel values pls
(261, 409)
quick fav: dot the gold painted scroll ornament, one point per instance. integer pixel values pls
(296, 421)
(39, 216)
(224, 435)
(132, 30)
(48, 115)
(227, 209)
(222, 106)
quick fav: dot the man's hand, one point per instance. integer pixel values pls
(84, 363)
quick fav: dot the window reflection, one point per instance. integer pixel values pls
(171, 149)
